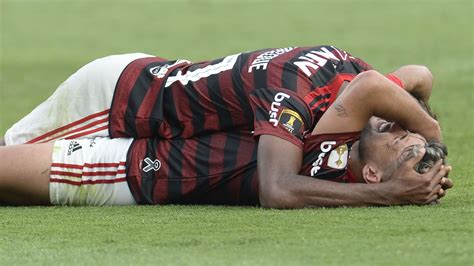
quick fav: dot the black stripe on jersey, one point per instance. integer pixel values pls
(171, 114)
(137, 94)
(259, 78)
(215, 94)
(175, 161)
(148, 178)
(321, 106)
(318, 98)
(229, 160)
(329, 174)
(203, 153)
(324, 75)
(289, 76)
(261, 114)
(247, 195)
(238, 86)
(231, 148)
(309, 158)
(197, 109)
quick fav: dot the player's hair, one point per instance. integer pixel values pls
(434, 151)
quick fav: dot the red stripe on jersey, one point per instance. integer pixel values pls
(75, 123)
(217, 159)
(85, 133)
(123, 89)
(87, 182)
(87, 165)
(336, 83)
(188, 185)
(275, 75)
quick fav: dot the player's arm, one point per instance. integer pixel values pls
(416, 79)
(369, 94)
(382, 98)
(280, 186)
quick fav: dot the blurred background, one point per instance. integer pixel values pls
(42, 42)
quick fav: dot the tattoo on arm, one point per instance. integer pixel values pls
(341, 111)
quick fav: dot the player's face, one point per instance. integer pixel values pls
(387, 142)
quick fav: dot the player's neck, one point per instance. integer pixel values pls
(355, 164)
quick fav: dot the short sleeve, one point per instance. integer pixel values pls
(326, 156)
(281, 113)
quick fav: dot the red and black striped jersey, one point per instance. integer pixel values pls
(221, 168)
(282, 92)
(218, 168)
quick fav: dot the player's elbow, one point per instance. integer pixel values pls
(424, 75)
(276, 196)
(367, 85)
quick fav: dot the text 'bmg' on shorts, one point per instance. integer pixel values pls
(90, 172)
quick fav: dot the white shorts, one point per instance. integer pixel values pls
(79, 108)
(90, 172)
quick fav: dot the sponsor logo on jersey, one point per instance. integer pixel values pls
(154, 165)
(325, 147)
(291, 121)
(73, 146)
(262, 60)
(338, 157)
(279, 97)
(313, 60)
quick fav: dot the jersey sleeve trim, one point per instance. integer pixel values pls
(395, 79)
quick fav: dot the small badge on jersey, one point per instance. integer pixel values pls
(159, 71)
(338, 157)
(291, 121)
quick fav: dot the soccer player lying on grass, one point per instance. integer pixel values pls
(205, 171)
(275, 92)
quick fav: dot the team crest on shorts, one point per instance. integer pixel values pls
(338, 157)
(291, 121)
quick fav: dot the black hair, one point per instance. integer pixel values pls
(434, 151)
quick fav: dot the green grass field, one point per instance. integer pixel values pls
(42, 42)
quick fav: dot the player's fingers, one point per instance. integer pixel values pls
(446, 183)
(432, 199)
(441, 193)
(435, 191)
(436, 175)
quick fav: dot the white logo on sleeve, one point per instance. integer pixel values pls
(338, 157)
(279, 97)
(151, 165)
(325, 147)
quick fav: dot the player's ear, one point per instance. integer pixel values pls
(371, 174)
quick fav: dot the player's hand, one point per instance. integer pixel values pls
(410, 187)
(445, 182)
